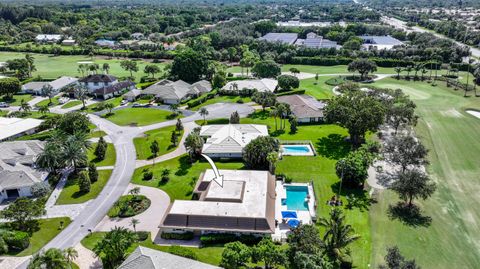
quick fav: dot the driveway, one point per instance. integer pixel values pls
(149, 220)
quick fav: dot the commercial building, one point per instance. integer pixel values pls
(380, 42)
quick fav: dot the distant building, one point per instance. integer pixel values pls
(380, 42)
(229, 140)
(17, 168)
(314, 41)
(69, 42)
(305, 108)
(11, 128)
(48, 38)
(170, 92)
(285, 38)
(261, 85)
(147, 258)
(303, 24)
(57, 85)
(105, 43)
(137, 36)
(244, 204)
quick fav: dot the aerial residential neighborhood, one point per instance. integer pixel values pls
(239, 134)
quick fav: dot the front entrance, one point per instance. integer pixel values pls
(12, 194)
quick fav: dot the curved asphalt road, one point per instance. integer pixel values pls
(122, 138)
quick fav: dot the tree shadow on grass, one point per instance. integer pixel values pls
(353, 198)
(184, 165)
(333, 146)
(409, 215)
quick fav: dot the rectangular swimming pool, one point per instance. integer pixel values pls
(297, 150)
(296, 198)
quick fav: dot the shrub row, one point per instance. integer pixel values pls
(177, 236)
(183, 252)
(291, 92)
(142, 235)
(381, 62)
(211, 239)
(243, 92)
(200, 100)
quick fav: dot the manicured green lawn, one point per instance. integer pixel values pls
(48, 229)
(71, 193)
(110, 156)
(17, 98)
(72, 104)
(98, 133)
(38, 115)
(139, 116)
(210, 255)
(162, 136)
(320, 90)
(115, 101)
(451, 135)
(183, 175)
(49, 66)
(46, 102)
(222, 99)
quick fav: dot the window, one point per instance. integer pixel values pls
(95, 83)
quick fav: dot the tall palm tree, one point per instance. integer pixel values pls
(52, 258)
(105, 67)
(82, 138)
(30, 60)
(70, 254)
(272, 159)
(80, 92)
(338, 235)
(399, 70)
(74, 153)
(204, 113)
(173, 108)
(51, 159)
(274, 114)
(113, 247)
(134, 223)
(47, 91)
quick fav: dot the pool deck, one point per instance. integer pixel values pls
(282, 230)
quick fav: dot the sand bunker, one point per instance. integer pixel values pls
(85, 62)
(473, 113)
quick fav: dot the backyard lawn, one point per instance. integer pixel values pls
(210, 255)
(115, 101)
(222, 99)
(162, 136)
(52, 67)
(48, 229)
(139, 116)
(110, 156)
(55, 102)
(452, 138)
(71, 193)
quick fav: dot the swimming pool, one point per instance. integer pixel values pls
(296, 198)
(298, 150)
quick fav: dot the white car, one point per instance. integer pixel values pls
(124, 102)
(3, 104)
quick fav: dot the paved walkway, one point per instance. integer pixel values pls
(12, 262)
(180, 150)
(149, 220)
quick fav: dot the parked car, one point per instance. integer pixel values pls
(3, 104)
(123, 102)
(137, 105)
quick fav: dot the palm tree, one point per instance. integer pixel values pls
(274, 114)
(43, 109)
(105, 67)
(82, 138)
(70, 254)
(135, 191)
(109, 107)
(173, 108)
(51, 159)
(47, 91)
(134, 223)
(74, 153)
(338, 235)
(408, 69)
(25, 106)
(204, 113)
(52, 258)
(398, 70)
(417, 68)
(80, 92)
(272, 159)
(30, 60)
(113, 247)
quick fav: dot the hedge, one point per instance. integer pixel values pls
(200, 100)
(177, 236)
(291, 92)
(17, 240)
(211, 239)
(142, 235)
(183, 252)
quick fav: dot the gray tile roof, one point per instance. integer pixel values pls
(286, 38)
(146, 258)
(381, 40)
(177, 90)
(17, 164)
(303, 106)
(35, 85)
